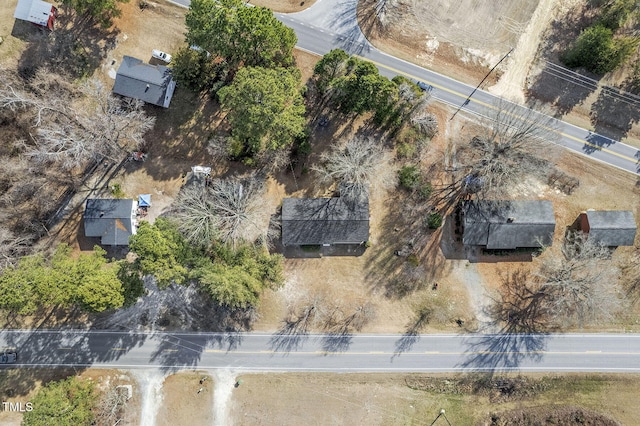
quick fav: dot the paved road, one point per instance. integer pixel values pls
(350, 353)
(331, 24)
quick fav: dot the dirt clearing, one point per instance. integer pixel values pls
(385, 399)
(462, 39)
(186, 399)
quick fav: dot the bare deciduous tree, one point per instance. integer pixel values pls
(508, 149)
(72, 127)
(228, 210)
(383, 7)
(353, 166)
(426, 123)
(111, 406)
(575, 289)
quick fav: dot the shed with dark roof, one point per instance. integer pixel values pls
(506, 225)
(152, 84)
(110, 219)
(611, 228)
(324, 221)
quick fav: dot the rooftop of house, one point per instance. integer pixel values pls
(110, 219)
(612, 227)
(508, 224)
(313, 221)
(143, 81)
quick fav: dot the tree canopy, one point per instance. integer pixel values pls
(266, 109)
(67, 402)
(95, 12)
(598, 51)
(234, 278)
(363, 89)
(86, 281)
(161, 251)
(249, 36)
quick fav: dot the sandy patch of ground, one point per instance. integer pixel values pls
(461, 39)
(513, 80)
(186, 399)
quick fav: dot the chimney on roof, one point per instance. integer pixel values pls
(147, 88)
(511, 219)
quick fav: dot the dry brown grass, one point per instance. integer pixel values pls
(181, 402)
(382, 399)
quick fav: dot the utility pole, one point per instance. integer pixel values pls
(466, 101)
(441, 414)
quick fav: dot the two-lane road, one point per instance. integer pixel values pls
(344, 353)
(331, 24)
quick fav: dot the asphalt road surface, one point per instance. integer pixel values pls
(331, 353)
(330, 24)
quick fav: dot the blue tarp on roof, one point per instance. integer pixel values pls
(144, 200)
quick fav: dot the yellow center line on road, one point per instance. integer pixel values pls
(454, 92)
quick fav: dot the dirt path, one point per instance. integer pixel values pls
(479, 300)
(225, 381)
(513, 81)
(150, 382)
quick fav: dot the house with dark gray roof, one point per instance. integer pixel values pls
(335, 222)
(114, 221)
(152, 84)
(507, 225)
(611, 228)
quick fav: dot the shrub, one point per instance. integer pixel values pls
(406, 150)
(409, 177)
(598, 51)
(434, 220)
(425, 190)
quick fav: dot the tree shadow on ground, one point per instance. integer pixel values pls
(57, 348)
(613, 115)
(177, 350)
(288, 338)
(336, 341)
(181, 134)
(67, 50)
(502, 352)
(411, 336)
(554, 83)
(561, 87)
(406, 255)
(348, 35)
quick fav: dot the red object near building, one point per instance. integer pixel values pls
(38, 12)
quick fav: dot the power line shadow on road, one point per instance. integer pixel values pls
(78, 349)
(176, 351)
(502, 352)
